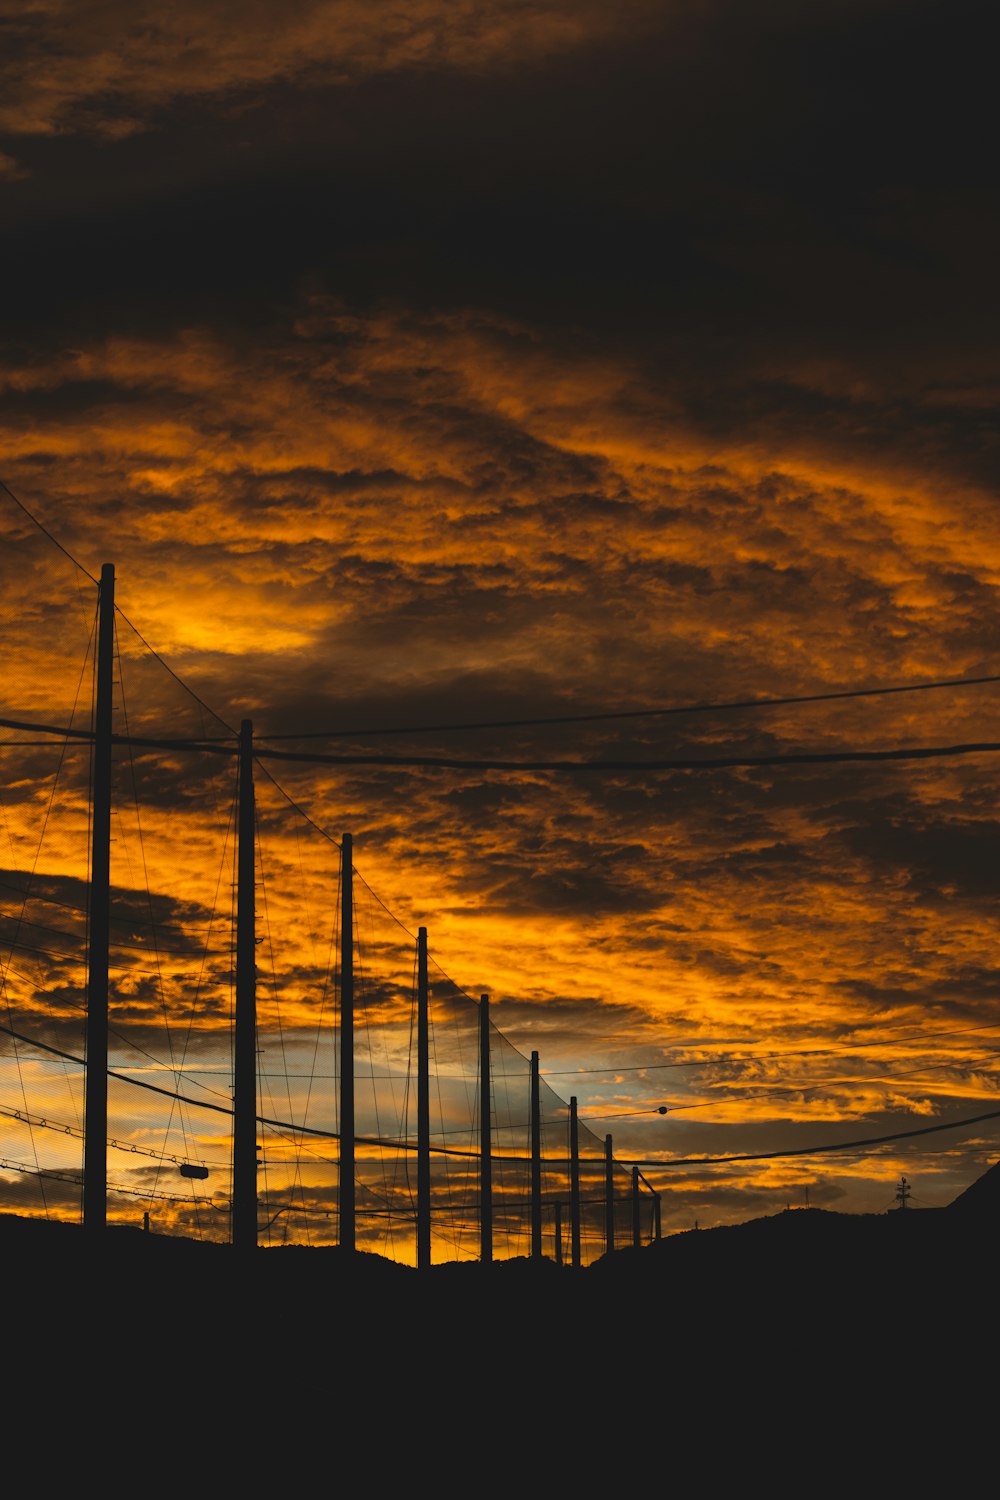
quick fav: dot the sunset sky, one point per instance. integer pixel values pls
(421, 365)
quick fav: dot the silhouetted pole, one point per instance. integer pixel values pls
(636, 1233)
(609, 1197)
(346, 1185)
(574, 1184)
(654, 1195)
(245, 1046)
(536, 1161)
(423, 1108)
(95, 1140)
(485, 1136)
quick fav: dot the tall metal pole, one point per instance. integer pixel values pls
(609, 1197)
(95, 1143)
(536, 1162)
(346, 1186)
(244, 1231)
(423, 1108)
(485, 1136)
(636, 1233)
(574, 1184)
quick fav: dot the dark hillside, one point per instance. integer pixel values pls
(859, 1318)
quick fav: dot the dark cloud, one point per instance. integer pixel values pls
(935, 857)
(727, 175)
(431, 365)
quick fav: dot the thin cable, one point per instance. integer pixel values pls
(635, 713)
(336, 843)
(799, 1088)
(872, 1140)
(6, 916)
(447, 762)
(79, 1132)
(164, 742)
(708, 763)
(167, 668)
(131, 921)
(36, 522)
(731, 1062)
(56, 543)
(91, 647)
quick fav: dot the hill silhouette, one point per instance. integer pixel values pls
(932, 1251)
(800, 1317)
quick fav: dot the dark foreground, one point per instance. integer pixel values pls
(853, 1335)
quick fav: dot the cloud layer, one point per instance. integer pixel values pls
(433, 366)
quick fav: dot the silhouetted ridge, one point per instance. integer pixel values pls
(982, 1197)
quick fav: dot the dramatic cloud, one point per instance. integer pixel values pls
(109, 68)
(421, 366)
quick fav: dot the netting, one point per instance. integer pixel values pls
(171, 999)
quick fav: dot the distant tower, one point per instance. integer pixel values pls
(902, 1192)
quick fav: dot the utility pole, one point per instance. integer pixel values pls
(346, 1189)
(423, 1109)
(574, 1184)
(485, 1136)
(902, 1192)
(95, 1141)
(244, 1224)
(609, 1196)
(636, 1223)
(536, 1161)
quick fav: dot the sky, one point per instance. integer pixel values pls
(428, 365)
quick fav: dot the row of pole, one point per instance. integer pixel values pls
(245, 1146)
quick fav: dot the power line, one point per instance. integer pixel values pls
(77, 564)
(677, 763)
(45, 532)
(769, 1091)
(873, 1140)
(203, 743)
(707, 763)
(634, 713)
(464, 1152)
(730, 1062)
(205, 746)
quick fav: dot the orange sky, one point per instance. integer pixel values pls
(431, 365)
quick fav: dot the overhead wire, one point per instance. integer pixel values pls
(828, 1147)
(668, 763)
(46, 533)
(60, 765)
(780, 1088)
(568, 766)
(659, 711)
(898, 1041)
